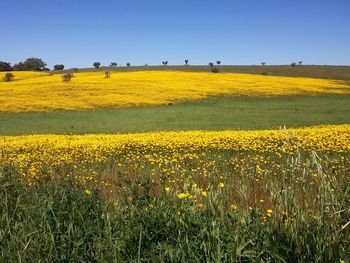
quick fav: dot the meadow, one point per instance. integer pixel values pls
(147, 167)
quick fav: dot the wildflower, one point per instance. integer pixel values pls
(269, 212)
(87, 191)
(204, 193)
(233, 206)
(221, 185)
(200, 205)
(168, 189)
(183, 195)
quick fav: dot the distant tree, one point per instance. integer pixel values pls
(107, 74)
(300, 63)
(58, 67)
(8, 77)
(45, 69)
(75, 70)
(18, 66)
(97, 65)
(4, 66)
(128, 64)
(113, 64)
(211, 64)
(32, 64)
(293, 64)
(67, 77)
(218, 62)
(263, 63)
(165, 63)
(186, 61)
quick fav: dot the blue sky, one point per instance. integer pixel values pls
(78, 33)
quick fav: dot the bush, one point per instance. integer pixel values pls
(215, 70)
(58, 67)
(107, 74)
(8, 77)
(67, 77)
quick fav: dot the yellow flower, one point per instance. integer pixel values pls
(87, 191)
(183, 195)
(233, 206)
(168, 189)
(204, 193)
(221, 185)
(200, 205)
(270, 211)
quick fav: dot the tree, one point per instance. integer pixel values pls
(186, 61)
(293, 64)
(35, 64)
(128, 64)
(113, 64)
(211, 64)
(4, 66)
(218, 62)
(58, 67)
(18, 66)
(300, 63)
(97, 65)
(165, 63)
(263, 63)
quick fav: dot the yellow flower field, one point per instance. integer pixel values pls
(37, 91)
(33, 153)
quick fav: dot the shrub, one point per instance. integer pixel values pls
(58, 67)
(8, 77)
(107, 74)
(67, 77)
(215, 70)
(75, 70)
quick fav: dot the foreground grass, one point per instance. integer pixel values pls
(200, 203)
(217, 113)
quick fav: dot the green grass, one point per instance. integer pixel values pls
(136, 220)
(312, 71)
(218, 113)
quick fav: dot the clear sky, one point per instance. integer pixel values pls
(78, 33)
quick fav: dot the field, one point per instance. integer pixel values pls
(175, 166)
